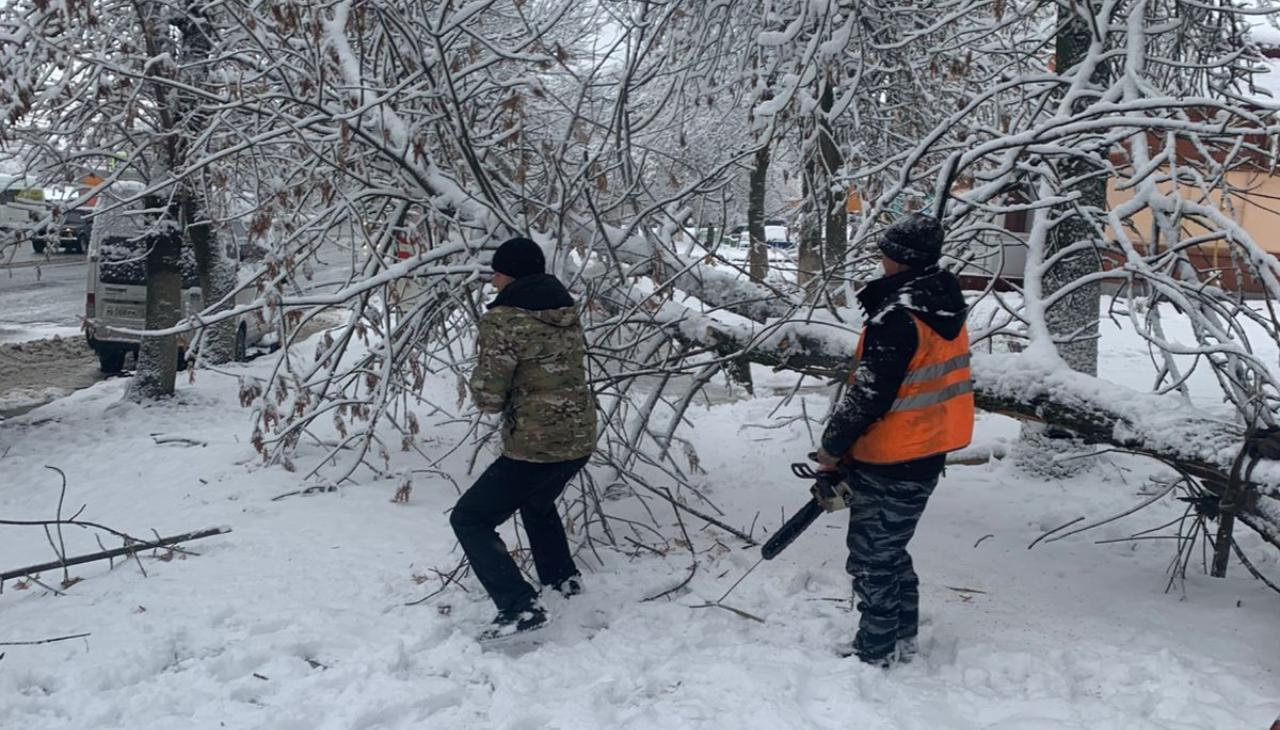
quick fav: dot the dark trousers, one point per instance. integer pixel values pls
(506, 486)
(882, 520)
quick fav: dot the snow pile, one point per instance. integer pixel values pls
(38, 371)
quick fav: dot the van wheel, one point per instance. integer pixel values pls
(242, 344)
(111, 361)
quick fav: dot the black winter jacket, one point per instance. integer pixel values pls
(931, 294)
(536, 293)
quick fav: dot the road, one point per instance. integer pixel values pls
(42, 353)
(41, 297)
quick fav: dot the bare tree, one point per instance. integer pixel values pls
(120, 90)
(407, 139)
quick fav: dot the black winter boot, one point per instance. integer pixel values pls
(569, 587)
(848, 649)
(906, 650)
(517, 621)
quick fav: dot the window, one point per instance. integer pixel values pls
(124, 261)
(1018, 221)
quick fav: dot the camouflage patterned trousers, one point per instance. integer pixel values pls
(882, 519)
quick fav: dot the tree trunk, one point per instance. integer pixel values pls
(836, 219)
(809, 260)
(758, 255)
(158, 356)
(1073, 320)
(217, 280)
(216, 270)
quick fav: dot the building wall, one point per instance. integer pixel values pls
(1256, 209)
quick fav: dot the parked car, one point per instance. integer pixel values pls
(775, 236)
(72, 235)
(116, 293)
(77, 226)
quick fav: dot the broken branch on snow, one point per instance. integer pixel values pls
(116, 552)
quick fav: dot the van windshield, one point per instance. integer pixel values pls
(124, 261)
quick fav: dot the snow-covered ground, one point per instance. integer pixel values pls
(296, 619)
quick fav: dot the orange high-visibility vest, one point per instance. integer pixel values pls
(933, 411)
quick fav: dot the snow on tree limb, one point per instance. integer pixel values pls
(407, 139)
(713, 281)
(1029, 387)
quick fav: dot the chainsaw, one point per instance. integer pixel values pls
(830, 493)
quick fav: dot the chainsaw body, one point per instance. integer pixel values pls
(831, 493)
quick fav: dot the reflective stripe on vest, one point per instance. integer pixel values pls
(929, 372)
(923, 400)
(933, 411)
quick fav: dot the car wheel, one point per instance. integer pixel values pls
(111, 361)
(38, 245)
(242, 344)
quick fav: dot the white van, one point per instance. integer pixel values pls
(116, 293)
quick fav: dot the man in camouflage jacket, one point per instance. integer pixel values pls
(529, 369)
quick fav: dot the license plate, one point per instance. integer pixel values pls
(117, 311)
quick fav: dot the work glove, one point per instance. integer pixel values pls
(827, 461)
(830, 488)
(832, 492)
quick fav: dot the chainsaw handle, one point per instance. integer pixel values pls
(804, 471)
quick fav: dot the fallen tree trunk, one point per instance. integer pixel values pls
(1163, 427)
(1260, 509)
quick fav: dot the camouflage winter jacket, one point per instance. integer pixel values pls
(530, 369)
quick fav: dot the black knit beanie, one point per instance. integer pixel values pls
(914, 241)
(519, 257)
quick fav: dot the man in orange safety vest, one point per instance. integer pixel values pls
(909, 401)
